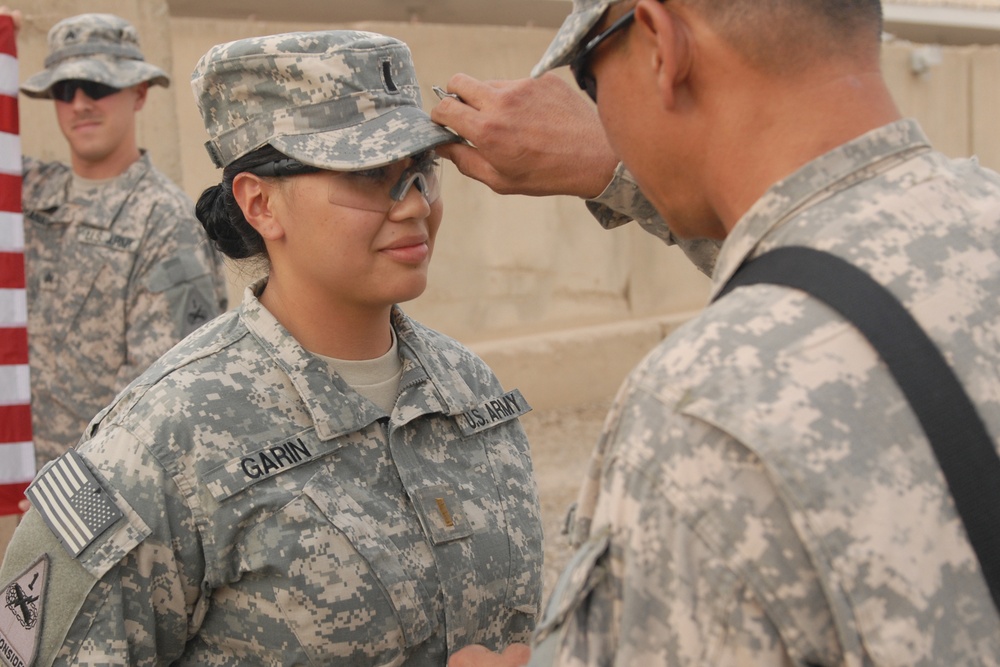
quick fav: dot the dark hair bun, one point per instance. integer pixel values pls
(214, 212)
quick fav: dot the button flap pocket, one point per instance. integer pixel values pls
(581, 575)
(384, 559)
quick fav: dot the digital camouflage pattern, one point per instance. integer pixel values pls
(762, 493)
(569, 40)
(94, 47)
(114, 279)
(273, 516)
(622, 202)
(340, 99)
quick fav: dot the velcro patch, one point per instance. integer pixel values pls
(194, 311)
(107, 239)
(71, 501)
(491, 412)
(21, 614)
(272, 459)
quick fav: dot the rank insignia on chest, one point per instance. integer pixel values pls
(493, 411)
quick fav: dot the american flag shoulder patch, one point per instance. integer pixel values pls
(72, 502)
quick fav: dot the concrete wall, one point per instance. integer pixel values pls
(533, 284)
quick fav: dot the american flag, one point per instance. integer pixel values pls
(74, 505)
(17, 453)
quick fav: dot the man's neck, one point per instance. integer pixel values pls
(790, 130)
(111, 166)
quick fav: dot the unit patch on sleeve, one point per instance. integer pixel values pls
(491, 412)
(71, 501)
(194, 311)
(21, 614)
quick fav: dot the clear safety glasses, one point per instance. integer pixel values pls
(377, 189)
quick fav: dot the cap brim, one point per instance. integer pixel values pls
(569, 40)
(392, 136)
(114, 72)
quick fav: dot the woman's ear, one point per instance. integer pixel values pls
(665, 34)
(256, 198)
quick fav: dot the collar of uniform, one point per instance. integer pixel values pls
(842, 167)
(99, 213)
(440, 358)
(335, 408)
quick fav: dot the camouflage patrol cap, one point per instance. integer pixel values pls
(94, 47)
(341, 99)
(569, 40)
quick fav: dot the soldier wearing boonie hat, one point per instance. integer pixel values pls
(102, 48)
(118, 268)
(313, 477)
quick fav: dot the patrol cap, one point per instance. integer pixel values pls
(339, 99)
(94, 47)
(569, 40)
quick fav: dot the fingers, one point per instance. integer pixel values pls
(517, 655)
(514, 655)
(529, 136)
(471, 90)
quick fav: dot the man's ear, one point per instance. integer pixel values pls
(140, 92)
(256, 198)
(665, 33)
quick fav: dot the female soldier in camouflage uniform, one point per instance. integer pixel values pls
(313, 478)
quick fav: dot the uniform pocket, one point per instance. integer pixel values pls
(342, 585)
(585, 570)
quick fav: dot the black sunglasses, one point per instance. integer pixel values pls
(584, 78)
(65, 91)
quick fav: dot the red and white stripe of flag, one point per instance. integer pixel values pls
(17, 453)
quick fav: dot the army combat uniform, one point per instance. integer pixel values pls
(118, 271)
(270, 515)
(762, 492)
(114, 279)
(622, 202)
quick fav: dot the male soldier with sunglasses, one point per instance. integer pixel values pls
(118, 268)
(763, 493)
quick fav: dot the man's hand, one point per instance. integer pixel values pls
(530, 136)
(514, 655)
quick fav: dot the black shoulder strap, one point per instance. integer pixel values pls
(963, 448)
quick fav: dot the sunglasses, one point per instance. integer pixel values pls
(584, 78)
(65, 91)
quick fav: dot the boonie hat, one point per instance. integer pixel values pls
(94, 47)
(569, 40)
(342, 100)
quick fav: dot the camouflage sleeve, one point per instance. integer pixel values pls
(661, 579)
(622, 201)
(123, 592)
(178, 285)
